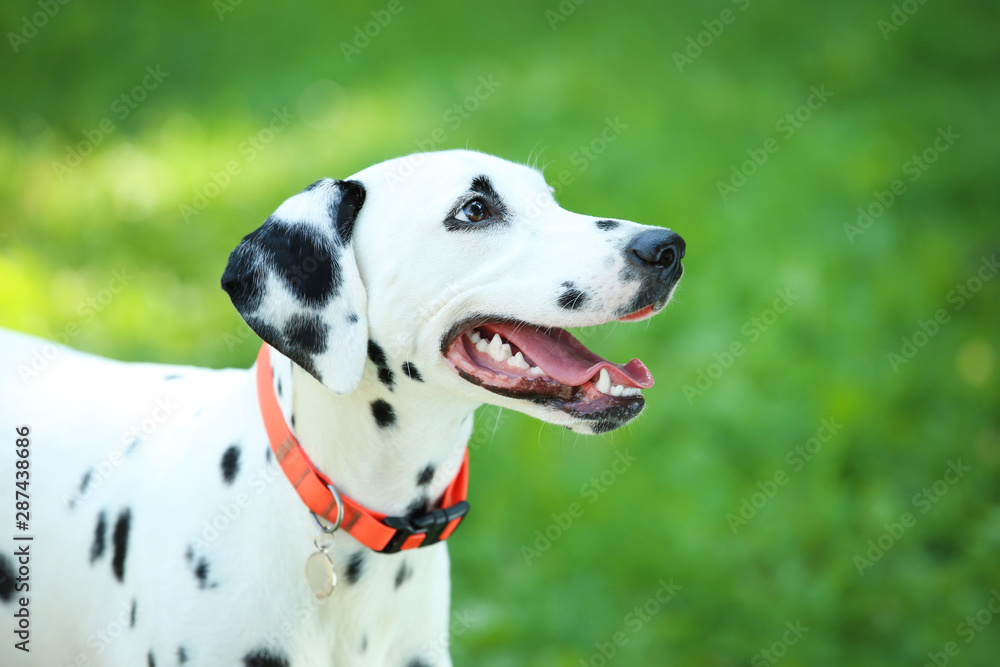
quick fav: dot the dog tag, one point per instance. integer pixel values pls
(320, 575)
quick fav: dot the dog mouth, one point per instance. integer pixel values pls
(546, 365)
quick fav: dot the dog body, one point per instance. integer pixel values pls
(164, 530)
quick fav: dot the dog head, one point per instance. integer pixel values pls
(465, 271)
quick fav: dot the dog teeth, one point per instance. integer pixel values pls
(604, 386)
(474, 336)
(604, 382)
(482, 345)
(499, 350)
(517, 361)
(536, 370)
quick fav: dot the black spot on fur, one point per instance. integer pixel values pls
(97, 546)
(403, 574)
(386, 377)
(607, 225)
(182, 655)
(230, 464)
(120, 541)
(377, 354)
(364, 643)
(354, 567)
(306, 334)
(572, 298)
(268, 456)
(417, 662)
(132, 445)
(263, 657)
(201, 573)
(173, 376)
(131, 621)
(426, 475)
(279, 387)
(384, 415)
(352, 318)
(6, 578)
(189, 554)
(85, 482)
(410, 371)
(418, 507)
(149, 660)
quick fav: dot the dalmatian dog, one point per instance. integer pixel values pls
(163, 530)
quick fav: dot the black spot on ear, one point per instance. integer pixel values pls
(410, 371)
(418, 507)
(230, 463)
(149, 660)
(305, 334)
(264, 330)
(376, 354)
(607, 225)
(7, 570)
(354, 567)
(352, 318)
(295, 252)
(182, 655)
(244, 277)
(352, 198)
(572, 298)
(426, 475)
(131, 622)
(120, 541)
(386, 377)
(403, 574)
(97, 546)
(384, 415)
(263, 657)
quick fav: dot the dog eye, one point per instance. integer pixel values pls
(475, 211)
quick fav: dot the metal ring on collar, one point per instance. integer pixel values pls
(340, 512)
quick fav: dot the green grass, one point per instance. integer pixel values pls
(698, 454)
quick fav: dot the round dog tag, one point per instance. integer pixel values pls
(320, 575)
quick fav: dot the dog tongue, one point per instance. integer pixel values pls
(567, 360)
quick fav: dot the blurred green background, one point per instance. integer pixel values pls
(740, 494)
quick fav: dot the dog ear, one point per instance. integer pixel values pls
(295, 281)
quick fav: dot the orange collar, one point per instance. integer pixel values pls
(387, 534)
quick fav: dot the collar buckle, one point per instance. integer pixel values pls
(432, 525)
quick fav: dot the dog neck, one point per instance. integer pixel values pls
(393, 447)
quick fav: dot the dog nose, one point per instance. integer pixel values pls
(659, 251)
